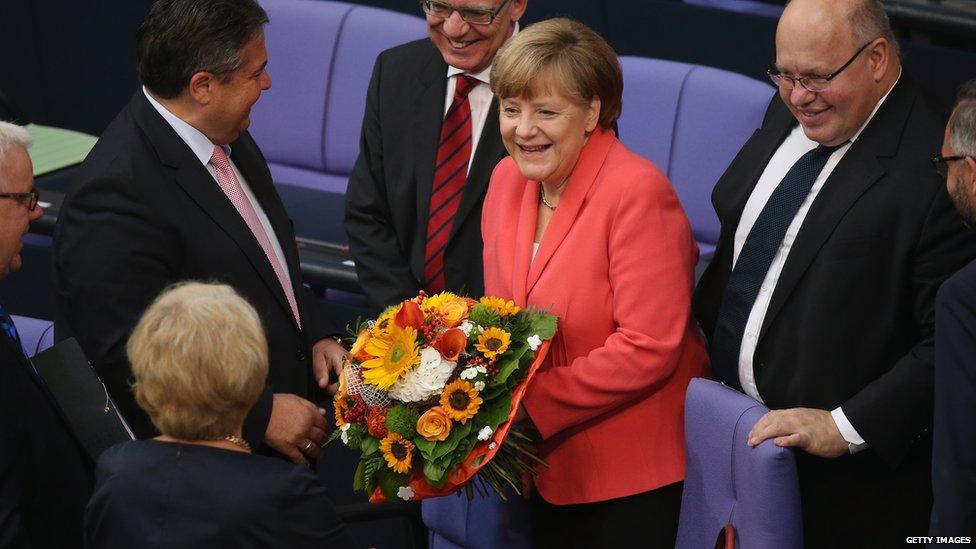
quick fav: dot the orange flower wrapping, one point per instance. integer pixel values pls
(451, 343)
(434, 425)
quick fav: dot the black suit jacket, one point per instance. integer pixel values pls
(147, 214)
(954, 433)
(45, 476)
(388, 198)
(175, 496)
(850, 322)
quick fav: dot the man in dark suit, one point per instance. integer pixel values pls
(176, 189)
(954, 431)
(836, 234)
(45, 476)
(413, 206)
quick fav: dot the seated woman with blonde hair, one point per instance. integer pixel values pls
(576, 223)
(200, 359)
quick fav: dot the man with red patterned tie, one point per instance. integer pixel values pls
(429, 143)
(176, 189)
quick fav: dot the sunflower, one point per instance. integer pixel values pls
(341, 406)
(394, 353)
(460, 400)
(432, 303)
(493, 342)
(384, 320)
(501, 306)
(397, 451)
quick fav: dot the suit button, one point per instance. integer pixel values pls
(300, 356)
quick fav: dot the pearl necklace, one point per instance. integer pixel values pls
(542, 196)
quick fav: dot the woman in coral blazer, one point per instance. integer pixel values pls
(575, 222)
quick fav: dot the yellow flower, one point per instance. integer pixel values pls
(460, 401)
(501, 306)
(385, 319)
(397, 451)
(341, 406)
(493, 341)
(394, 353)
(434, 425)
(449, 309)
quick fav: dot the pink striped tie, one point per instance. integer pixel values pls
(232, 188)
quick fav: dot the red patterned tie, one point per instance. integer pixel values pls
(450, 172)
(231, 186)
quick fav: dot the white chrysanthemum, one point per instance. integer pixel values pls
(466, 327)
(469, 373)
(426, 380)
(479, 386)
(485, 433)
(345, 433)
(534, 341)
(405, 493)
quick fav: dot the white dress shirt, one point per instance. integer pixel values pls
(793, 147)
(479, 97)
(202, 148)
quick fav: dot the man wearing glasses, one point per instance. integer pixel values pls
(954, 432)
(430, 141)
(836, 234)
(45, 477)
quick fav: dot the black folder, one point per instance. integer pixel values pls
(82, 396)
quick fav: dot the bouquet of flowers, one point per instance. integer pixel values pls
(430, 392)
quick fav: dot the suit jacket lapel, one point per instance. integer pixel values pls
(490, 151)
(857, 171)
(197, 182)
(428, 111)
(584, 175)
(521, 251)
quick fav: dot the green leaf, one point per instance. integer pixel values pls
(493, 412)
(484, 316)
(458, 432)
(357, 477)
(543, 324)
(425, 446)
(509, 363)
(390, 482)
(435, 470)
(369, 445)
(370, 467)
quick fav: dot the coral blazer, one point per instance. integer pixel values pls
(616, 265)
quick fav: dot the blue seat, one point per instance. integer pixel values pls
(36, 334)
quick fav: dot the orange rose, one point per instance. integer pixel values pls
(451, 343)
(434, 425)
(409, 315)
(453, 312)
(358, 351)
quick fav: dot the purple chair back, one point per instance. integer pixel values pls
(742, 6)
(321, 56)
(35, 334)
(691, 121)
(754, 489)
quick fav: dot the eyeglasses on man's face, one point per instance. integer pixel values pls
(28, 198)
(941, 163)
(474, 16)
(815, 83)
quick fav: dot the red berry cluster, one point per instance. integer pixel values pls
(357, 414)
(490, 365)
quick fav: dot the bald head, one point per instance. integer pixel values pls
(842, 49)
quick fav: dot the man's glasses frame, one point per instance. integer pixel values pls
(443, 10)
(30, 198)
(815, 83)
(941, 163)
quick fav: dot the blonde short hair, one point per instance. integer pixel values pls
(200, 360)
(566, 54)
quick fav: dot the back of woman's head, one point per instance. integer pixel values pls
(200, 359)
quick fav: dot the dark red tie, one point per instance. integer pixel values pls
(450, 172)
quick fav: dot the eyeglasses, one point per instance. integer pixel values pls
(814, 83)
(443, 10)
(30, 198)
(941, 163)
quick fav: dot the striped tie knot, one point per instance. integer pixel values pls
(463, 86)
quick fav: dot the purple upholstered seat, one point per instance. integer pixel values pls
(754, 489)
(741, 6)
(690, 120)
(320, 56)
(35, 334)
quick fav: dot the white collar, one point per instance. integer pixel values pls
(200, 144)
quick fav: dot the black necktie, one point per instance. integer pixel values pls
(756, 256)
